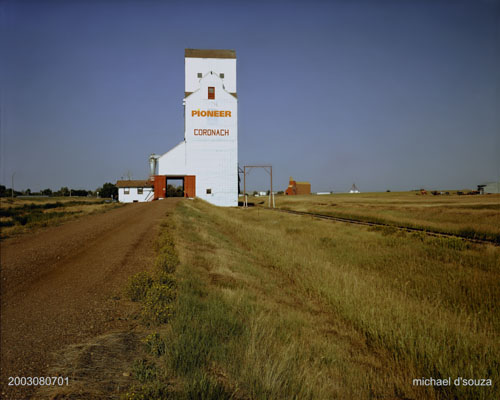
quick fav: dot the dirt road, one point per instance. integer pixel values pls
(59, 285)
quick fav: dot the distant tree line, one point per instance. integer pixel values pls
(107, 190)
(7, 192)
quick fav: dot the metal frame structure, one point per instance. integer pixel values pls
(269, 170)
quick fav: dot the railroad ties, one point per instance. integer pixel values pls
(380, 224)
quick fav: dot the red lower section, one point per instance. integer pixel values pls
(160, 185)
(190, 186)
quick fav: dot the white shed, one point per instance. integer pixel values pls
(134, 191)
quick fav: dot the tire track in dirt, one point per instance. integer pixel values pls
(58, 284)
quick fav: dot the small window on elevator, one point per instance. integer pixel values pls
(221, 76)
(211, 93)
(209, 191)
(199, 75)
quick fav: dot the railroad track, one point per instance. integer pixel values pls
(381, 224)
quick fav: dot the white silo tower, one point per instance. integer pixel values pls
(207, 158)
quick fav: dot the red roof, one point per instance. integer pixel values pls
(126, 184)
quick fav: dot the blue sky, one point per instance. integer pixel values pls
(387, 94)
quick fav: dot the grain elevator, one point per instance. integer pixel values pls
(207, 158)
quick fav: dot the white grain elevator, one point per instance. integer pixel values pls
(207, 158)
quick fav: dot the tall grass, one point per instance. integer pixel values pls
(475, 217)
(21, 216)
(280, 306)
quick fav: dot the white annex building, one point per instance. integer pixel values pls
(135, 191)
(207, 159)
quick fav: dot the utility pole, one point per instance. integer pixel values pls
(12, 186)
(271, 196)
(245, 200)
(269, 170)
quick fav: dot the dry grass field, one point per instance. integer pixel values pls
(473, 216)
(272, 305)
(257, 304)
(21, 215)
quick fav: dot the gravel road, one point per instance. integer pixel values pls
(59, 285)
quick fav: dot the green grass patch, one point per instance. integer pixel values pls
(167, 261)
(202, 331)
(155, 344)
(151, 390)
(138, 286)
(157, 304)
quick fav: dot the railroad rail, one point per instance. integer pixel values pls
(381, 224)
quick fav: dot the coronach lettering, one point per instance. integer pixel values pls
(211, 132)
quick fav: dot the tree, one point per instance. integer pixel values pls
(79, 192)
(47, 192)
(173, 191)
(3, 191)
(108, 190)
(64, 191)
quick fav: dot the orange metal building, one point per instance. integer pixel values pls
(298, 187)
